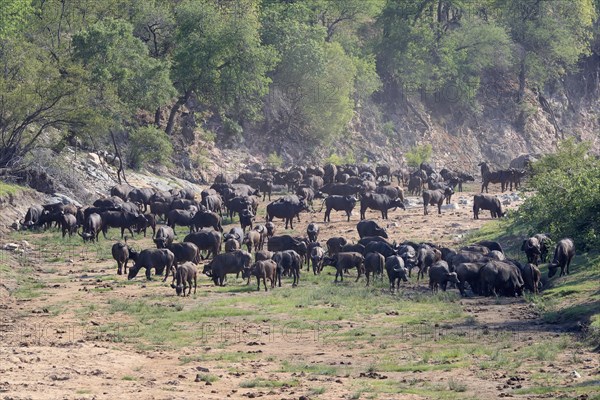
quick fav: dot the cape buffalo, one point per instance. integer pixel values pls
(164, 237)
(185, 273)
(345, 261)
(440, 275)
(487, 202)
(563, 254)
(159, 259)
(122, 254)
(91, 227)
(500, 277)
(370, 228)
(396, 271)
(227, 263)
(209, 240)
(262, 269)
(379, 202)
(435, 197)
(338, 203)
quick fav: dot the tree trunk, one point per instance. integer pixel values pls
(157, 117)
(522, 75)
(181, 101)
(121, 170)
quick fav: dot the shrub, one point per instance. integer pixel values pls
(274, 160)
(418, 154)
(567, 198)
(149, 145)
(339, 160)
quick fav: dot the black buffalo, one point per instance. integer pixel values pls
(286, 210)
(381, 202)
(370, 228)
(435, 197)
(118, 219)
(164, 237)
(563, 254)
(209, 240)
(338, 203)
(159, 259)
(487, 202)
(91, 227)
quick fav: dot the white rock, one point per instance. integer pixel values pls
(11, 246)
(94, 158)
(575, 374)
(452, 206)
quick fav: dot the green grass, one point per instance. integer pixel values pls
(263, 383)
(129, 378)
(317, 391)
(226, 357)
(207, 378)
(10, 189)
(587, 387)
(314, 369)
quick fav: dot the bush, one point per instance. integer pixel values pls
(418, 154)
(339, 160)
(232, 129)
(149, 145)
(567, 199)
(274, 160)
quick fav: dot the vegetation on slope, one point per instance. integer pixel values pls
(294, 70)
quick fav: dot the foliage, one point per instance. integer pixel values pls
(301, 69)
(220, 59)
(310, 97)
(274, 160)
(148, 145)
(35, 94)
(551, 36)
(442, 52)
(12, 16)
(418, 154)
(120, 67)
(335, 159)
(567, 199)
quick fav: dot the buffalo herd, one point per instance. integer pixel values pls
(481, 268)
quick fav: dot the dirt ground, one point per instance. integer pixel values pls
(51, 349)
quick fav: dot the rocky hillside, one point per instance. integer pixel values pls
(499, 134)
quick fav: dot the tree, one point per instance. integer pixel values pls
(34, 96)
(311, 96)
(125, 77)
(12, 16)
(551, 37)
(220, 60)
(439, 48)
(148, 145)
(122, 76)
(417, 155)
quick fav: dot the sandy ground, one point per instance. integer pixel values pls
(61, 355)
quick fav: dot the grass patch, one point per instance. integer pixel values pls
(129, 378)
(229, 357)
(207, 378)
(9, 189)
(315, 369)
(317, 391)
(263, 383)
(456, 386)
